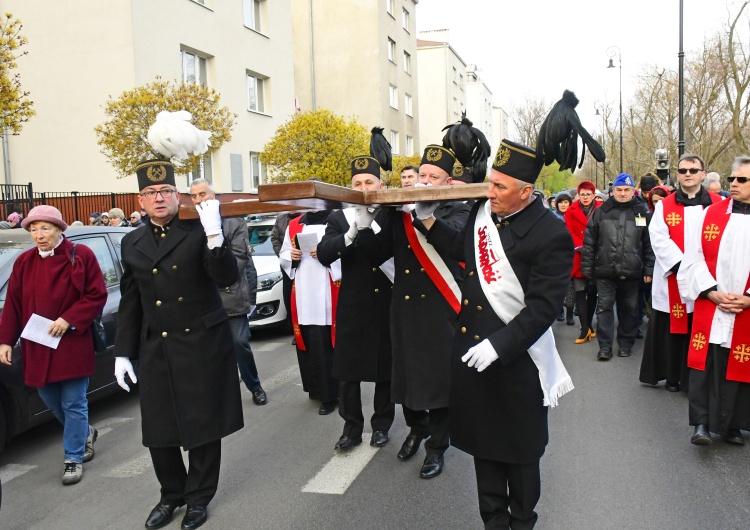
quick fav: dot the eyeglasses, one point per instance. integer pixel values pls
(741, 180)
(166, 193)
(585, 195)
(693, 170)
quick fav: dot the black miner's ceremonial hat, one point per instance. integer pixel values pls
(439, 156)
(365, 164)
(518, 161)
(155, 172)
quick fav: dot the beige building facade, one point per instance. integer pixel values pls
(82, 52)
(358, 59)
(479, 104)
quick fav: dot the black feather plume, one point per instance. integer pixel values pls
(469, 145)
(558, 136)
(380, 149)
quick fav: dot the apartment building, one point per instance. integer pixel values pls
(82, 52)
(499, 126)
(358, 59)
(479, 103)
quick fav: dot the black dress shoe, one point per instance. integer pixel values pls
(624, 352)
(701, 436)
(379, 438)
(345, 443)
(734, 436)
(672, 387)
(161, 515)
(605, 354)
(327, 407)
(432, 467)
(410, 446)
(259, 396)
(195, 516)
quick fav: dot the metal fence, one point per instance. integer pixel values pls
(74, 205)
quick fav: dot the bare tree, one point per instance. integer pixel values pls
(528, 117)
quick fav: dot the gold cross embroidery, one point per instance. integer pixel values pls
(699, 341)
(673, 219)
(742, 353)
(711, 232)
(678, 310)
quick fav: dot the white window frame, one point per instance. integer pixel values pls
(199, 67)
(409, 146)
(393, 96)
(394, 142)
(204, 170)
(389, 7)
(259, 85)
(252, 14)
(408, 105)
(407, 62)
(405, 18)
(392, 50)
(256, 166)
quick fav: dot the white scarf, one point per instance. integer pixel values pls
(506, 296)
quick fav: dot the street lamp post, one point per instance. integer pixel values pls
(613, 51)
(604, 164)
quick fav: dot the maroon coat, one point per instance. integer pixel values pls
(576, 222)
(53, 287)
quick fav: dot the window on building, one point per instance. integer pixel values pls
(409, 146)
(391, 50)
(405, 19)
(393, 94)
(455, 75)
(256, 92)
(257, 171)
(201, 171)
(407, 62)
(389, 6)
(252, 14)
(461, 80)
(394, 142)
(194, 68)
(408, 105)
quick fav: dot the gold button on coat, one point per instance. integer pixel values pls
(374, 269)
(163, 235)
(479, 308)
(466, 302)
(180, 299)
(476, 337)
(471, 273)
(407, 271)
(164, 334)
(376, 290)
(158, 303)
(187, 330)
(423, 296)
(406, 297)
(174, 267)
(154, 271)
(463, 330)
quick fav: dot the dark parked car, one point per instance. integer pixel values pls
(21, 408)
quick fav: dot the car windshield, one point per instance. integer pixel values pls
(8, 252)
(260, 239)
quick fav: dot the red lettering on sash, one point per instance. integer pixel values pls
(487, 257)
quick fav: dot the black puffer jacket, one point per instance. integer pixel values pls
(615, 247)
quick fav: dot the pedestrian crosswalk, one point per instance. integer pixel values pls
(342, 470)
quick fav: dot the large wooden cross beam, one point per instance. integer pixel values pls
(315, 195)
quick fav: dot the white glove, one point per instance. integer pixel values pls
(407, 208)
(210, 216)
(482, 355)
(123, 366)
(363, 217)
(351, 234)
(425, 210)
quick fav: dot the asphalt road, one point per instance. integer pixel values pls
(618, 458)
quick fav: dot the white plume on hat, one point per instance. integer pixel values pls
(173, 136)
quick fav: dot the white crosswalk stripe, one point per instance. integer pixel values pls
(106, 426)
(131, 468)
(10, 471)
(268, 346)
(341, 471)
(280, 379)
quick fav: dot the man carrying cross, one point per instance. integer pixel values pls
(715, 273)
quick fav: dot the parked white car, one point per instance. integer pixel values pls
(270, 309)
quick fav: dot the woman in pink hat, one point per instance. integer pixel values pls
(63, 283)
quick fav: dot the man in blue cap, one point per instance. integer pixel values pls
(617, 253)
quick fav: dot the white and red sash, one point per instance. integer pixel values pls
(674, 218)
(738, 368)
(295, 227)
(433, 264)
(388, 267)
(507, 298)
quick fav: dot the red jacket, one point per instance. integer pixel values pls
(576, 222)
(53, 287)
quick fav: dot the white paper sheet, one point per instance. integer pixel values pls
(36, 330)
(307, 242)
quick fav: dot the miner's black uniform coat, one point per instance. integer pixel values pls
(497, 414)
(172, 320)
(363, 337)
(422, 321)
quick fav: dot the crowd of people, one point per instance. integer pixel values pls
(447, 307)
